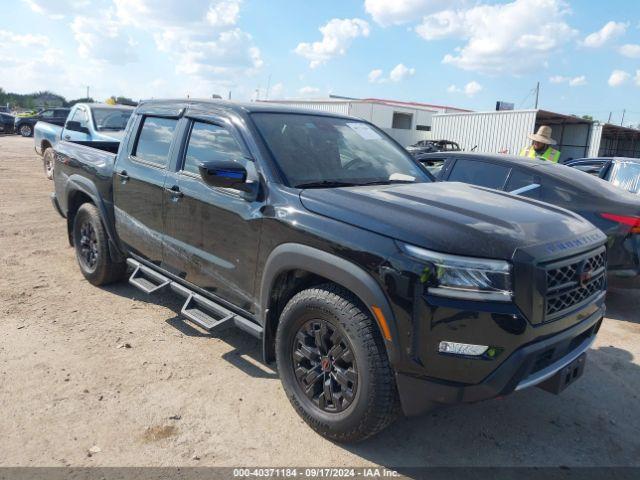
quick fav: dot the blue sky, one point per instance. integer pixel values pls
(464, 53)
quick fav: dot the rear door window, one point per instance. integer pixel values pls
(81, 116)
(433, 165)
(520, 179)
(208, 142)
(475, 172)
(154, 141)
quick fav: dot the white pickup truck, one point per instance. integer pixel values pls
(99, 124)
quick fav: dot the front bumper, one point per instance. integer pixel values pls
(528, 366)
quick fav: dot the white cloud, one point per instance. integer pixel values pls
(400, 72)
(26, 40)
(396, 12)
(636, 79)
(630, 50)
(608, 32)
(201, 38)
(618, 78)
(571, 81)
(375, 75)
(223, 13)
(470, 89)
(442, 24)
(514, 38)
(52, 9)
(337, 36)
(102, 40)
(578, 81)
(397, 74)
(308, 91)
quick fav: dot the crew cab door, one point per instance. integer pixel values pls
(138, 183)
(211, 234)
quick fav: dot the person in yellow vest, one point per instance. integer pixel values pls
(541, 146)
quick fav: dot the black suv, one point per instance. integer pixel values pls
(371, 285)
(57, 116)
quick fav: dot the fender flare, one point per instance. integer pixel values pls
(290, 256)
(78, 183)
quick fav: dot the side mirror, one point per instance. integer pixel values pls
(76, 127)
(225, 174)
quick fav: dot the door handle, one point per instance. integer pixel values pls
(67, 137)
(123, 175)
(174, 191)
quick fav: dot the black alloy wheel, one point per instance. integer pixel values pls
(325, 367)
(88, 245)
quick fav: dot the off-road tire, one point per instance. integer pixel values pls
(375, 404)
(103, 270)
(48, 162)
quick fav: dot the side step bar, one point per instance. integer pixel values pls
(147, 280)
(199, 310)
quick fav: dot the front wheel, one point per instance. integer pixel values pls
(333, 365)
(48, 159)
(26, 130)
(92, 248)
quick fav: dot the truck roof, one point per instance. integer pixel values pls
(240, 108)
(104, 105)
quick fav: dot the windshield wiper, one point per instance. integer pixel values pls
(386, 182)
(327, 184)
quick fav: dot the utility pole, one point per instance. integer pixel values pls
(537, 94)
(268, 87)
(87, 92)
(609, 120)
(229, 94)
(622, 121)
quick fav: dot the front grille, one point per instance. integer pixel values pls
(573, 281)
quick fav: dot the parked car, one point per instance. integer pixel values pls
(6, 123)
(612, 210)
(429, 146)
(620, 171)
(86, 123)
(368, 282)
(24, 125)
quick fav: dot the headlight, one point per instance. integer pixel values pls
(464, 277)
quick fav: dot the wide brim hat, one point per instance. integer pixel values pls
(543, 135)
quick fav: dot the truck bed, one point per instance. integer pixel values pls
(91, 164)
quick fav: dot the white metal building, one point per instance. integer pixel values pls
(407, 122)
(609, 140)
(506, 131)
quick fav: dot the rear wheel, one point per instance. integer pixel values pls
(333, 365)
(92, 248)
(48, 159)
(26, 130)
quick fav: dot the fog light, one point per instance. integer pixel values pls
(462, 348)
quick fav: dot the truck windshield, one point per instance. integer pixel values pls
(318, 151)
(110, 118)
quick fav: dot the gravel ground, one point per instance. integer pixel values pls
(107, 376)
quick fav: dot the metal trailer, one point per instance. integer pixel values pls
(506, 131)
(614, 141)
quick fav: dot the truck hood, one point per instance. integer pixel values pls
(449, 217)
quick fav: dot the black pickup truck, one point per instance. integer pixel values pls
(376, 289)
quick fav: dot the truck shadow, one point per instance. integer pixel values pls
(588, 424)
(593, 423)
(623, 304)
(247, 350)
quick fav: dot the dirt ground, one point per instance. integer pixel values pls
(107, 376)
